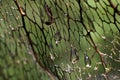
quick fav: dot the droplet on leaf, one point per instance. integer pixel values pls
(74, 55)
(57, 37)
(87, 60)
(52, 57)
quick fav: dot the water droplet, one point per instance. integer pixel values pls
(57, 37)
(74, 55)
(87, 60)
(52, 57)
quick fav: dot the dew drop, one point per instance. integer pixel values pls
(74, 55)
(87, 60)
(57, 37)
(52, 57)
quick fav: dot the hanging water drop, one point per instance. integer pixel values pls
(87, 60)
(52, 56)
(74, 55)
(57, 37)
